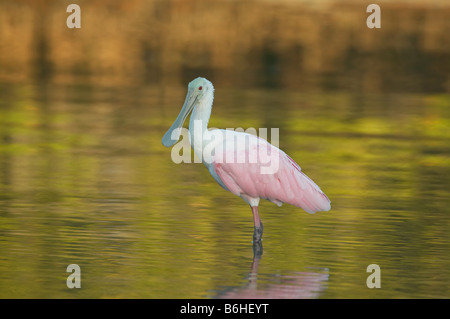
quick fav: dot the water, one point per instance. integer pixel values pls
(85, 180)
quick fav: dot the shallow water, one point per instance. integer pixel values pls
(85, 180)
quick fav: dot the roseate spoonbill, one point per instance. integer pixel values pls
(236, 160)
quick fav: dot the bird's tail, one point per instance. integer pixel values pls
(309, 195)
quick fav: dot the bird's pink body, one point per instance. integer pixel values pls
(287, 184)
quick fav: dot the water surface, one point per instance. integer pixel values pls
(85, 180)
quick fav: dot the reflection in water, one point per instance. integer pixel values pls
(294, 285)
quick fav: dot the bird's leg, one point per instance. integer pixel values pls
(257, 250)
(257, 234)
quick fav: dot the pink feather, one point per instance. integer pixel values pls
(287, 184)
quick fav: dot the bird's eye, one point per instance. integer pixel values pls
(200, 88)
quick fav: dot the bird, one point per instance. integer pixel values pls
(242, 163)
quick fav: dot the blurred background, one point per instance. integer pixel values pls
(84, 178)
(307, 45)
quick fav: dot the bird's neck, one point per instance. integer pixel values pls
(198, 124)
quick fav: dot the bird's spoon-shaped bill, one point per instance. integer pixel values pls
(188, 105)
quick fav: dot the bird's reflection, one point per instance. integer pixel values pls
(296, 285)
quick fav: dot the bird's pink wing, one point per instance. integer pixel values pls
(286, 184)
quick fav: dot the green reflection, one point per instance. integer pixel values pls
(85, 180)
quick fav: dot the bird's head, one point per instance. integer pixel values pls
(198, 90)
